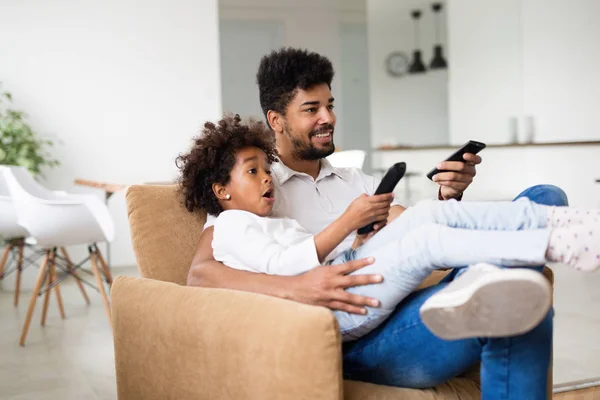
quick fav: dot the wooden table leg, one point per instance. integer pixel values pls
(100, 284)
(105, 268)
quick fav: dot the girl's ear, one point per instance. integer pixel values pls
(275, 121)
(220, 191)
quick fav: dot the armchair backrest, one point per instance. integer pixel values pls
(163, 233)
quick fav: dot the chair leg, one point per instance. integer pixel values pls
(19, 270)
(56, 288)
(7, 250)
(105, 268)
(34, 296)
(100, 284)
(74, 273)
(46, 300)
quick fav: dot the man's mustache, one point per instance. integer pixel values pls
(322, 129)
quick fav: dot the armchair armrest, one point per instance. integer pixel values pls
(176, 342)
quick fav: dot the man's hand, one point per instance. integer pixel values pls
(325, 286)
(458, 176)
(367, 209)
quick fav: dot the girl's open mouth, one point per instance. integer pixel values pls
(269, 195)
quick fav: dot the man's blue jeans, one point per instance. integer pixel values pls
(403, 352)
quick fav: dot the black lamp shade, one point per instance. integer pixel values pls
(417, 65)
(438, 61)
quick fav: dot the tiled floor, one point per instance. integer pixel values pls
(70, 359)
(73, 359)
(576, 325)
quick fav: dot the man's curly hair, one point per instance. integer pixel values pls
(281, 73)
(212, 158)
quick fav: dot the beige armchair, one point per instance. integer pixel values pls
(177, 342)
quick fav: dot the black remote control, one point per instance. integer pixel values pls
(387, 185)
(470, 147)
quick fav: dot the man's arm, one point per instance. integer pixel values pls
(323, 286)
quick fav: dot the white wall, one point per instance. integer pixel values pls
(530, 60)
(561, 60)
(485, 75)
(123, 85)
(311, 24)
(412, 109)
(242, 44)
(355, 86)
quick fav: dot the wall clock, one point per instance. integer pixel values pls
(396, 64)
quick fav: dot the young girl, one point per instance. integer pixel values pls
(228, 173)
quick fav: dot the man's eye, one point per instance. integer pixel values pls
(252, 170)
(331, 106)
(311, 110)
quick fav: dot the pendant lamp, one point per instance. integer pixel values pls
(416, 66)
(438, 61)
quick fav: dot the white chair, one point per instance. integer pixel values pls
(57, 221)
(9, 228)
(348, 159)
(17, 239)
(12, 235)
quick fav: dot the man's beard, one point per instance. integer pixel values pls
(307, 151)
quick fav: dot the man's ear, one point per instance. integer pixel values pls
(275, 121)
(220, 191)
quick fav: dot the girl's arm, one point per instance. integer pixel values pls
(331, 237)
(239, 235)
(364, 210)
(395, 212)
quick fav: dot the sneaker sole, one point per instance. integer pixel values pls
(495, 305)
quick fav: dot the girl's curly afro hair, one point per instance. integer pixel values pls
(212, 158)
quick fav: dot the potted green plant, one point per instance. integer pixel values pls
(19, 143)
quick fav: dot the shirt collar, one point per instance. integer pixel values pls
(328, 169)
(285, 173)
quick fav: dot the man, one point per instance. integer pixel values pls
(295, 95)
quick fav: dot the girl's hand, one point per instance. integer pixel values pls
(359, 240)
(366, 209)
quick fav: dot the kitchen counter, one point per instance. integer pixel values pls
(497, 145)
